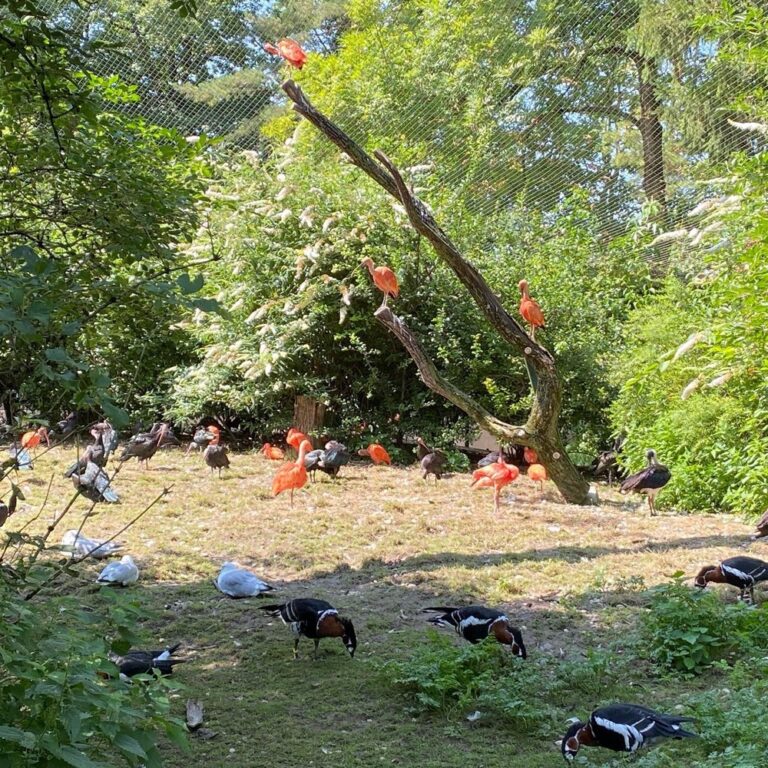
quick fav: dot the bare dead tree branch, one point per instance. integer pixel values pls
(541, 430)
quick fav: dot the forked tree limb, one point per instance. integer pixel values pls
(506, 433)
(540, 431)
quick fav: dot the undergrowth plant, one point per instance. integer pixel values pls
(688, 631)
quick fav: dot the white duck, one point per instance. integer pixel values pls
(81, 545)
(123, 573)
(238, 582)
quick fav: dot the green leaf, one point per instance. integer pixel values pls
(129, 744)
(17, 736)
(188, 285)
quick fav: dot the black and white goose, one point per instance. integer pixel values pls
(315, 619)
(649, 480)
(623, 728)
(741, 572)
(476, 622)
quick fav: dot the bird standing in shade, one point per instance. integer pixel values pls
(476, 622)
(293, 475)
(123, 573)
(649, 480)
(238, 582)
(538, 473)
(430, 460)
(496, 476)
(741, 572)
(289, 50)
(215, 455)
(530, 456)
(384, 279)
(530, 309)
(315, 619)
(623, 728)
(377, 454)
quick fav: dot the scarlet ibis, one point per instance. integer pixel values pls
(384, 279)
(288, 49)
(377, 453)
(530, 309)
(530, 456)
(292, 475)
(296, 438)
(32, 438)
(271, 452)
(538, 474)
(495, 476)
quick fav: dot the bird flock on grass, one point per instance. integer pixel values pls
(620, 727)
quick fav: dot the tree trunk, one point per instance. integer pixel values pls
(541, 430)
(652, 135)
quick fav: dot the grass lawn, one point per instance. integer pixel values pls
(380, 544)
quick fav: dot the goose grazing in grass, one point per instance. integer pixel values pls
(740, 572)
(238, 582)
(121, 574)
(144, 446)
(147, 662)
(215, 455)
(623, 728)
(93, 483)
(649, 480)
(79, 544)
(430, 460)
(476, 622)
(315, 619)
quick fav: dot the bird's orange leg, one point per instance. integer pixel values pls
(291, 497)
(496, 500)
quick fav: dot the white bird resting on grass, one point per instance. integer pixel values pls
(79, 544)
(123, 573)
(237, 582)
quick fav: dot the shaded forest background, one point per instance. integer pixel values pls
(175, 243)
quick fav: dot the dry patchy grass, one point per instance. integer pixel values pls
(380, 544)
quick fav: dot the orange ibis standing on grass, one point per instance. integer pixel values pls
(384, 279)
(377, 453)
(495, 476)
(293, 475)
(538, 474)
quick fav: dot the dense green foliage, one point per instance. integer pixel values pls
(61, 701)
(688, 631)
